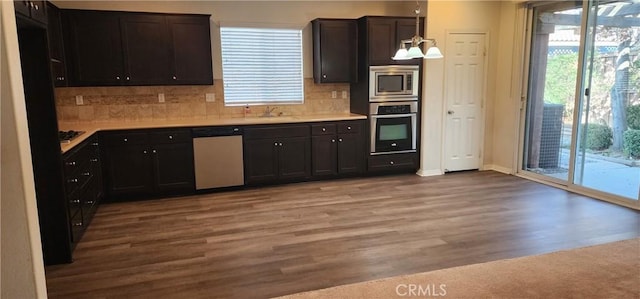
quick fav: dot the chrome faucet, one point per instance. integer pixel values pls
(268, 110)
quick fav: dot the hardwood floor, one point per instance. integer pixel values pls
(279, 240)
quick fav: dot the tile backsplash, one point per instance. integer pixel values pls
(130, 103)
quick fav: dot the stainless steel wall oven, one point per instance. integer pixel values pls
(393, 127)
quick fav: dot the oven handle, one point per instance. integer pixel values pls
(392, 115)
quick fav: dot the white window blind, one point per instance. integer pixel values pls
(262, 65)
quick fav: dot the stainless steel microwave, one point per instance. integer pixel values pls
(393, 82)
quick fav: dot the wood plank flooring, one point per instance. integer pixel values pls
(271, 241)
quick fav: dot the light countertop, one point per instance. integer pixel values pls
(92, 127)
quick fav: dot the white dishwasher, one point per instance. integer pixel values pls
(217, 155)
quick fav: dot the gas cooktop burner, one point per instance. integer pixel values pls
(67, 136)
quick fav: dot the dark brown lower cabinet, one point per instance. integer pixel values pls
(140, 163)
(337, 148)
(83, 185)
(277, 153)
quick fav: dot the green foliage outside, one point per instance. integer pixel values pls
(631, 143)
(599, 137)
(560, 83)
(633, 117)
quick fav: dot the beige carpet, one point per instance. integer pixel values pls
(604, 271)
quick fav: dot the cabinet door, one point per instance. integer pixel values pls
(334, 51)
(324, 151)
(129, 170)
(261, 160)
(173, 167)
(146, 49)
(382, 41)
(93, 48)
(54, 33)
(191, 44)
(350, 153)
(294, 158)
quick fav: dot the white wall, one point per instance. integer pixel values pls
(22, 269)
(457, 16)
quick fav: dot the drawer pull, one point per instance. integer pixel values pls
(94, 144)
(72, 180)
(77, 224)
(154, 151)
(333, 140)
(75, 201)
(276, 144)
(86, 174)
(339, 139)
(391, 162)
(125, 140)
(72, 163)
(170, 136)
(90, 202)
(349, 128)
(94, 160)
(144, 151)
(324, 129)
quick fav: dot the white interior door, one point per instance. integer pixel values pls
(464, 94)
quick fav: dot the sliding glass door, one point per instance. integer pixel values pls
(608, 147)
(582, 122)
(553, 74)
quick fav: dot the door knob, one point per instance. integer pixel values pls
(450, 112)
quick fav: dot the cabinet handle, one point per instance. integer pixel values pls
(61, 78)
(30, 4)
(94, 160)
(72, 163)
(391, 162)
(77, 224)
(154, 151)
(75, 201)
(125, 140)
(144, 151)
(276, 144)
(117, 77)
(280, 144)
(128, 78)
(36, 6)
(170, 136)
(72, 180)
(333, 140)
(90, 202)
(324, 76)
(175, 78)
(339, 139)
(324, 129)
(86, 174)
(349, 128)
(95, 144)
(394, 144)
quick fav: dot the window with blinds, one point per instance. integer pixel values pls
(262, 66)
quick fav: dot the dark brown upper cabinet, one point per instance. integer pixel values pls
(56, 48)
(119, 48)
(33, 10)
(93, 47)
(190, 38)
(145, 41)
(382, 38)
(335, 50)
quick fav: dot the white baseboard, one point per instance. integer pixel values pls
(497, 168)
(429, 172)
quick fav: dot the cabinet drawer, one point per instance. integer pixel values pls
(323, 129)
(172, 136)
(392, 162)
(125, 138)
(77, 159)
(77, 227)
(74, 205)
(350, 127)
(276, 132)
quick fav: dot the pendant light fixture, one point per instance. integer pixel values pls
(415, 51)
